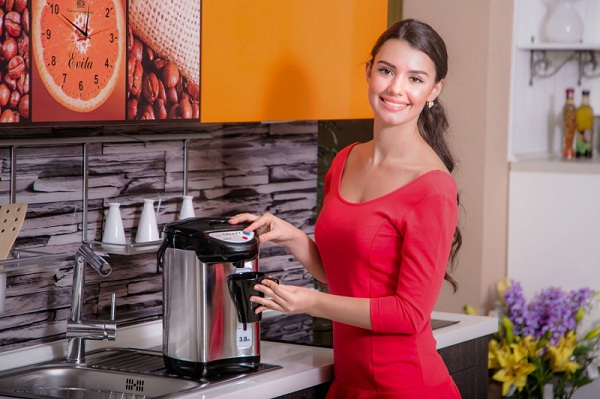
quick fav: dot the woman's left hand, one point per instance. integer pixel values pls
(284, 298)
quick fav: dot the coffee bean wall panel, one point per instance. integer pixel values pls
(245, 167)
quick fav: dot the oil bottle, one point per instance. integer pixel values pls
(585, 127)
(569, 114)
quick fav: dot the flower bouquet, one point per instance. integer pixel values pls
(538, 351)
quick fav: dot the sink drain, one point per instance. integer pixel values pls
(136, 385)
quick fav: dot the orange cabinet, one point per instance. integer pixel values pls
(273, 60)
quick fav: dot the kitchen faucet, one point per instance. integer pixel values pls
(78, 329)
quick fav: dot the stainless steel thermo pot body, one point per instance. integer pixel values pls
(201, 332)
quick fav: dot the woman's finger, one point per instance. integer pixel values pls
(265, 304)
(242, 217)
(263, 220)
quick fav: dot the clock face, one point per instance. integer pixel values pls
(79, 46)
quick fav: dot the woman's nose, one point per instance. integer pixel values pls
(396, 86)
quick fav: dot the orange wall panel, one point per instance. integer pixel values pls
(267, 60)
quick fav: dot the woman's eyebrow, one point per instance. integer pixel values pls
(392, 66)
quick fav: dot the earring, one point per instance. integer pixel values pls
(430, 104)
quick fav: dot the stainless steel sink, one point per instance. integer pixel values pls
(64, 381)
(107, 374)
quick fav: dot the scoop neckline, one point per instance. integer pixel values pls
(381, 197)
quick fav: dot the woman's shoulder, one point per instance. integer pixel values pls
(438, 181)
(339, 160)
(343, 153)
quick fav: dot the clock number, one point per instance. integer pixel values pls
(54, 9)
(48, 34)
(64, 78)
(108, 12)
(107, 64)
(53, 62)
(81, 85)
(112, 37)
(95, 79)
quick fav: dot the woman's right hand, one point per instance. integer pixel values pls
(268, 227)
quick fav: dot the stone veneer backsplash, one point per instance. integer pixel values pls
(244, 167)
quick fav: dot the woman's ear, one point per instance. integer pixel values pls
(436, 90)
(368, 68)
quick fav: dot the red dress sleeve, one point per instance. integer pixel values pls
(427, 232)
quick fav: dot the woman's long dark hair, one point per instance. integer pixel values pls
(432, 123)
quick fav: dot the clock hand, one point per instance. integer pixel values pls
(94, 33)
(87, 19)
(75, 26)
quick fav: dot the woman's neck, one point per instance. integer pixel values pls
(396, 143)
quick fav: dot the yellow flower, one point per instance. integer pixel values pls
(470, 310)
(495, 351)
(502, 287)
(512, 362)
(531, 346)
(560, 356)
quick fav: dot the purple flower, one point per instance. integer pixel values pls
(516, 308)
(552, 313)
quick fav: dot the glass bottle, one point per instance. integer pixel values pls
(569, 114)
(585, 127)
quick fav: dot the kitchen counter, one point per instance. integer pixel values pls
(468, 328)
(303, 366)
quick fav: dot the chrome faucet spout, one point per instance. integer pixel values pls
(78, 329)
(97, 262)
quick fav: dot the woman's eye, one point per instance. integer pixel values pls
(385, 71)
(416, 79)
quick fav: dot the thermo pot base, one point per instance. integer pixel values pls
(206, 369)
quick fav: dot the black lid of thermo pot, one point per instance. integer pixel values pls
(213, 239)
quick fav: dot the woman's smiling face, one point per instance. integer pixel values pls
(401, 79)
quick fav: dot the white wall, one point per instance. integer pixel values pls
(554, 236)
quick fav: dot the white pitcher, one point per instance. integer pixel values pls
(114, 233)
(187, 208)
(147, 228)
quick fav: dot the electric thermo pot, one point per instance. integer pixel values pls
(201, 332)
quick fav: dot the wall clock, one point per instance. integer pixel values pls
(79, 46)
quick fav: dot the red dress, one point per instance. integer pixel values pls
(393, 249)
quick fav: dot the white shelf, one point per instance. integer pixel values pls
(560, 47)
(556, 164)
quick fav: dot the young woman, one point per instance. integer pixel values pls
(385, 233)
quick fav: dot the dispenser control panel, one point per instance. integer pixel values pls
(234, 237)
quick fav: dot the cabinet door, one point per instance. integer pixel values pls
(267, 60)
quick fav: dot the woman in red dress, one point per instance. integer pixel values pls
(386, 231)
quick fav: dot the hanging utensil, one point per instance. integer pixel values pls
(12, 217)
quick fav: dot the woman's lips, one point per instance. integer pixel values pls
(393, 104)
